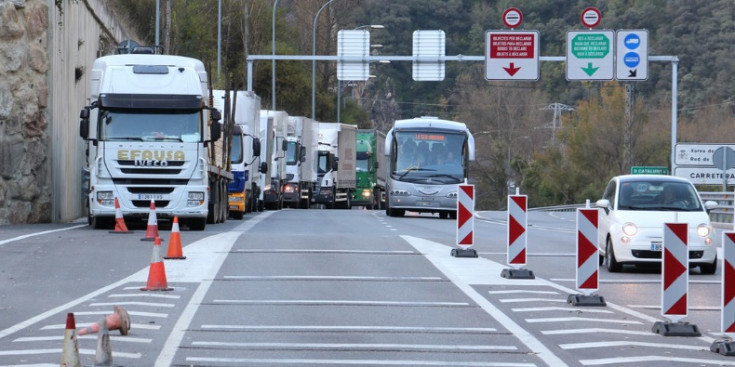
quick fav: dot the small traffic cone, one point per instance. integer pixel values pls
(118, 320)
(70, 350)
(120, 226)
(103, 357)
(151, 233)
(174, 243)
(157, 272)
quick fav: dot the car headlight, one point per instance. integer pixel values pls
(630, 229)
(703, 230)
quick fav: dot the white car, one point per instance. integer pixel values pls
(634, 210)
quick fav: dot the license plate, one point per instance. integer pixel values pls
(425, 203)
(151, 197)
(655, 245)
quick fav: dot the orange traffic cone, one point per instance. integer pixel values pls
(70, 351)
(174, 243)
(151, 233)
(120, 226)
(157, 272)
(118, 320)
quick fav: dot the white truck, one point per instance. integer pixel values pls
(336, 165)
(273, 126)
(247, 115)
(242, 108)
(150, 138)
(301, 153)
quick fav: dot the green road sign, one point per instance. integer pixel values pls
(649, 170)
(590, 46)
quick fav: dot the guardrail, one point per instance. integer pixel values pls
(722, 216)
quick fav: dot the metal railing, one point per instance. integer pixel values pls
(722, 216)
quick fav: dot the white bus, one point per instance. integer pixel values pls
(427, 158)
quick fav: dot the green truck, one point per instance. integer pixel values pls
(370, 173)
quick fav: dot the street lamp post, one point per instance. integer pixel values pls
(273, 62)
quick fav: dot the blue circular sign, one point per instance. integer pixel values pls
(632, 59)
(632, 41)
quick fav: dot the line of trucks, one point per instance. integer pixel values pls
(155, 131)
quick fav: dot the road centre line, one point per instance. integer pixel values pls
(626, 343)
(354, 362)
(485, 270)
(358, 346)
(383, 329)
(657, 359)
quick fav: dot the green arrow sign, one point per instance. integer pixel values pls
(590, 69)
(590, 46)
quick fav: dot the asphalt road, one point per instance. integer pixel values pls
(338, 287)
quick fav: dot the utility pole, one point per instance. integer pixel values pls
(556, 120)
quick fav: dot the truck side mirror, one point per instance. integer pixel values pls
(302, 155)
(335, 164)
(215, 131)
(216, 115)
(284, 145)
(84, 123)
(264, 167)
(256, 147)
(376, 165)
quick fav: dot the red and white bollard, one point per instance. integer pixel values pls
(465, 221)
(517, 238)
(588, 263)
(675, 284)
(726, 346)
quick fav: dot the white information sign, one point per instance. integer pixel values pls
(706, 175)
(692, 154)
(431, 45)
(353, 43)
(590, 55)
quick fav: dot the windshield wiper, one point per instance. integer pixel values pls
(411, 169)
(446, 175)
(135, 138)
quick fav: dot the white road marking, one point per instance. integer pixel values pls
(588, 319)
(518, 291)
(311, 302)
(625, 343)
(318, 328)
(131, 313)
(463, 272)
(353, 362)
(522, 300)
(39, 234)
(116, 338)
(637, 361)
(144, 295)
(86, 324)
(310, 277)
(567, 309)
(208, 254)
(27, 352)
(596, 331)
(357, 346)
(131, 303)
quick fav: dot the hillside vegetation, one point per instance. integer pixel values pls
(554, 161)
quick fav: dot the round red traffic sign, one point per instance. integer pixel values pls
(512, 17)
(591, 17)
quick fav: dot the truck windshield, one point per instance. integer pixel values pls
(428, 157)
(150, 125)
(236, 155)
(291, 150)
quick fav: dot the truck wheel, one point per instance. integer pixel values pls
(102, 222)
(237, 215)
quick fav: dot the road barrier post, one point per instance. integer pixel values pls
(675, 284)
(726, 346)
(517, 238)
(588, 263)
(465, 221)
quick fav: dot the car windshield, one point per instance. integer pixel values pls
(658, 195)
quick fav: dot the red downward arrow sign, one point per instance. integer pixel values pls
(512, 69)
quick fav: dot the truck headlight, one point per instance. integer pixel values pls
(366, 193)
(195, 198)
(399, 192)
(452, 195)
(106, 198)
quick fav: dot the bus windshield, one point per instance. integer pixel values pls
(149, 125)
(428, 157)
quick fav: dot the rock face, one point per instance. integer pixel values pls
(24, 140)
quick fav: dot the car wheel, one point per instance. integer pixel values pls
(613, 265)
(709, 268)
